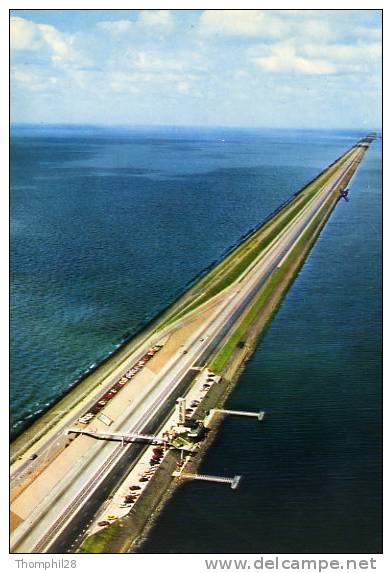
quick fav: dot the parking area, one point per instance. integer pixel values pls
(103, 400)
(137, 480)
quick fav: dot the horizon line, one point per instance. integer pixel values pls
(181, 126)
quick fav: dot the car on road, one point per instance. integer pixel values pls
(195, 403)
(134, 487)
(103, 523)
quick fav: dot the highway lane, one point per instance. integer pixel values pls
(212, 329)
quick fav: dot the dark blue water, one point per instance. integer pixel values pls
(110, 225)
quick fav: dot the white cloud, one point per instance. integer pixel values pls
(306, 25)
(166, 81)
(241, 23)
(262, 23)
(25, 77)
(284, 57)
(116, 26)
(27, 35)
(184, 88)
(161, 19)
(315, 58)
(23, 34)
(367, 33)
(321, 31)
(344, 52)
(33, 80)
(124, 82)
(59, 45)
(155, 62)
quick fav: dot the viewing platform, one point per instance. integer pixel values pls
(118, 436)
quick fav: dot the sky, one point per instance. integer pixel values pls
(245, 68)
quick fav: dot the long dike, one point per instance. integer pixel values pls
(229, 359)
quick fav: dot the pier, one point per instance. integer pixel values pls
(211, 415)
(234, 481)
(259, 415)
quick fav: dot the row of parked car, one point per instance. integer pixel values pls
(211, 378)
(135, 490)
(101, 403)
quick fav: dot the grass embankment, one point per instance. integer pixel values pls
(242, 257)
(265, 294)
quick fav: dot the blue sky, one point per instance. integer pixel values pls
(259, 68)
